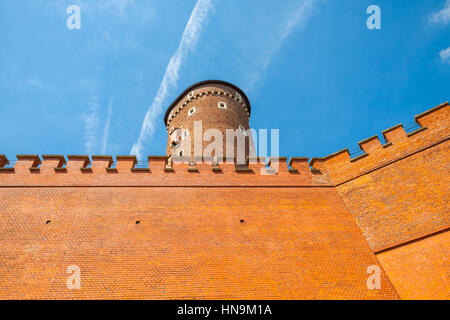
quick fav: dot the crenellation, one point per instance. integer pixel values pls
(358, 157)
(341, 167)
(101, 162)
(157, 164)
(409, 134)
(299, 164)
(278, 164)
(395, 134)
(370, 144)
(180, 164)
(27, 163)
(99, 170)
(176, 111)
(3, 160)
(332, 169)
(437, 117)
(341, 156)
(257, 164)
(77, 162)
(51, 163)
(125, 163)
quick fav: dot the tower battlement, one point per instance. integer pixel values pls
(161, 170)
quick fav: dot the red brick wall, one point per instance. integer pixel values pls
(420, 270)
(400, 192)
(401, 201)
(190, 243)
(300, 236)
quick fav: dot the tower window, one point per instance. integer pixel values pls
(175, 135)
(185, 133)
(222, 105)
(242, 129)
(174, 144)
(191, 94)
(191, 111)
(238, 96)
(180, 154)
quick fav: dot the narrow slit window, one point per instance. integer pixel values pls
(191, 111)
(242, 129)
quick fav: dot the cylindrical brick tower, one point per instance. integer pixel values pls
(212, 108)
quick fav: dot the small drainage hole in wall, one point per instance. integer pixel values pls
(241, 221)
(47, 222)
(138, 222)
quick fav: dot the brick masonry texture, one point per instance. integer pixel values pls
(205, 99)
(228, 233)
(400, 192)
(190, 243)
(401, 201)
(420, 270)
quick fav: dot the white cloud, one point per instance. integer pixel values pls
(294, 21)
(106, 128)
(91, 121)
(442, 16)
(191, 33)
(445, 55)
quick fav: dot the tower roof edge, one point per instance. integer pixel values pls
(197, 84)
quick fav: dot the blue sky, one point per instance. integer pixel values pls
(311, 69)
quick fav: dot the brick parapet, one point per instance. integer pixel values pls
(102, 171)
(434, 129)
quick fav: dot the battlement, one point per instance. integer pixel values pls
(335, 169)
(205, 93)
(101, 170)
(434, 129)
